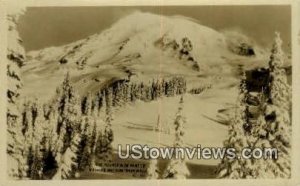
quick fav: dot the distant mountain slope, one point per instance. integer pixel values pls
(141, 47)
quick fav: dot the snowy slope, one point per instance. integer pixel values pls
(136, 123)
(138, 46)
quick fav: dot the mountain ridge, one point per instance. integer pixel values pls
(140, 46)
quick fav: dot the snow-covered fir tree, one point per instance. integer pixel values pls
(68, 129)
(68, 163)
(280, 90)
(262, 168)
(108, 132)
(93, 144)
(86, 143)
(86, 105)
(177, 168)
(236, 168)
(118, 98)
(69, 111)
(277, 111)
(16, 166)
(103, 146)
(273, 127)
(152, 170)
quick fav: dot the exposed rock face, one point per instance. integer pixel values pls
(245, 50)
(182, 51)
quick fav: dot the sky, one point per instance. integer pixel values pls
(42, 27)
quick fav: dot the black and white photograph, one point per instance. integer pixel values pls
(158, 92)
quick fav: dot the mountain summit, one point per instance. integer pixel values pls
(139, 47)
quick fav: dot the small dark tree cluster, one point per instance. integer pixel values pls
(122, 92)
(199, 90)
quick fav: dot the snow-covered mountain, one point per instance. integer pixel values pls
(142, 47)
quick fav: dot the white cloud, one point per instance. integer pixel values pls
(16, 7)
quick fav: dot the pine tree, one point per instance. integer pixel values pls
(86, 106)
(36, 168)
(99, 148)
(27, 122)
(69, 111)
(93, 144)
(67, 129)
(177, 168)
(41, 141)
(280, 90)
(118, 96)
(234, 167)
(109, 98)
(152, 171)
(68, 162)
(85, 146)
(102, 149)
(159, 85)
(277, 111)
(126, 93)
(262, 168)
(108, 134)
(16, 166)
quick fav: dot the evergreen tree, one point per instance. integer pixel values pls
(118, 99)
(67, 129)
(102, 111)
(159, 85)
(273, 127)
(16, 166)
(85, 146)
(86, 106)
(109, 98)
(177, 168)
(152, 171)
(234, 167)
(36, 168)
(103, 145)
(93, 144)
(69, 112)
(262, 168)
(68, 162)
(99, 148)
(277, 111)
(280, 90)
(133, 93)
(108, 135)
(126, 93)
(27, 122)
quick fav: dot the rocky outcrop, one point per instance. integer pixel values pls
(183, 51)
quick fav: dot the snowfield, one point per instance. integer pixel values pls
(136, 124)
